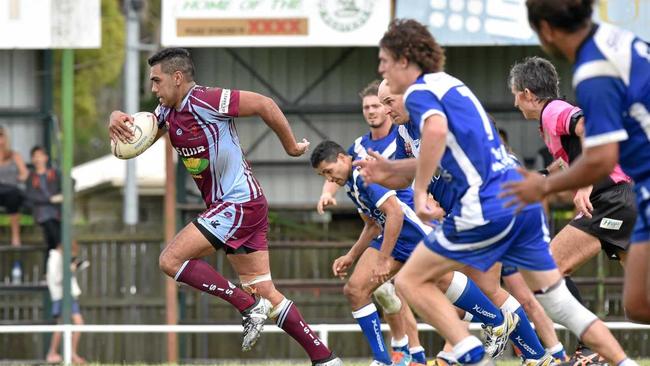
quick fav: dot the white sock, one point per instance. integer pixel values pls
(511, 304)
(555, 349)
(399, 343)
(468, 317)
(627, 362)
(467, 344)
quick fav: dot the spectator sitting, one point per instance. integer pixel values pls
(12, 171)
(55, 285)
(44, 192)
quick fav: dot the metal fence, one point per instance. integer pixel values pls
(124, 286)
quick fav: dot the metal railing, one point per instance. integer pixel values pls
(323, 330)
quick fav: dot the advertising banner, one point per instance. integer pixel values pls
(269, 23)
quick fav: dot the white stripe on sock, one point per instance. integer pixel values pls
(178, 274)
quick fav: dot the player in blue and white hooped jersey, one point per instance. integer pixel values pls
(441, 190)
(405, 342)
(612, 82)
(380, 138)
(386, 212)
(457, 136)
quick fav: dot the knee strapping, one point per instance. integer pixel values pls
(387, 298)
(511, 304)
(248, 285)
(280, 309)
(456, 287)
(563, 308)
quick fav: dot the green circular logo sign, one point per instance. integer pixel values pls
(345, 15)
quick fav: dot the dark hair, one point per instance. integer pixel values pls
(412, 40)
(538, 75)
(325, 151)
(37, 148)
(371, 89)
(568, 15)
(172, 60)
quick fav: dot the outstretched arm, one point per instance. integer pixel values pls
(327, 196)
(253, 104)
(343, 263)
(594, 163)
(392, 228)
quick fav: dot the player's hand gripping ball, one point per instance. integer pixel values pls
(144, 128)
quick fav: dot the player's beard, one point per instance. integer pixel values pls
(377, 123)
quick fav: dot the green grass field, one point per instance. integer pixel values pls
(511, 362)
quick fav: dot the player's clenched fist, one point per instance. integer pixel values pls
(325, 200)
(341, 265)
(381, 272)
(300, 148)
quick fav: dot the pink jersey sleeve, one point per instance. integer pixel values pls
(225, 101)
(556, 118)
(618, 175)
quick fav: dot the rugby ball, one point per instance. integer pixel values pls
(145, 128)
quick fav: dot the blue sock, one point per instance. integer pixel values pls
(524, 337)
(368, 320)
(469, 350)
(418, 355)
(464, 293)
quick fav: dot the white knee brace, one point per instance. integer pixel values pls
(387, 298)
(563, 308)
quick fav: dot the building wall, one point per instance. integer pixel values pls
(289, 71)
(102, 210)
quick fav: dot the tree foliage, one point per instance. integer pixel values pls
(95, 69)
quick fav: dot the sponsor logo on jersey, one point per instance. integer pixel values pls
(179, 132)
(411, 147)
(224, 102)
(442, 174)
(195, 166)
(189, 151)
